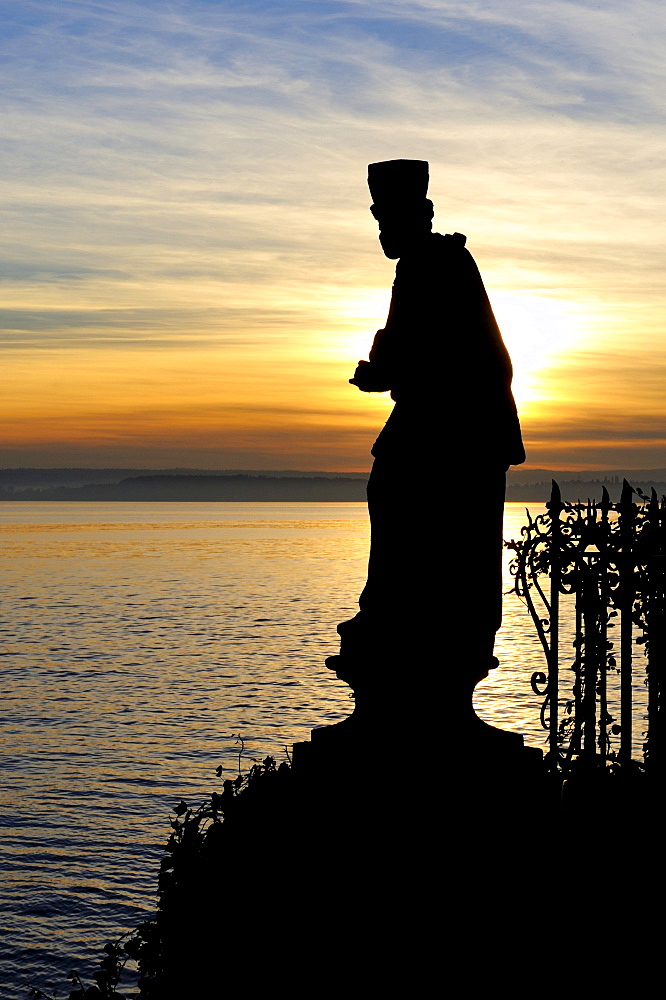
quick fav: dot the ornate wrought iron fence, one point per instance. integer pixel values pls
(611, 557)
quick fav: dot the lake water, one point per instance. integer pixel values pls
(138, 640)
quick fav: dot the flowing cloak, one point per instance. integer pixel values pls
(435, 557)
(442, 356)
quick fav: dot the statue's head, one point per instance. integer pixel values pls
(400, 206)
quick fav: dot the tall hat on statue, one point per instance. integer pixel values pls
(396, 184)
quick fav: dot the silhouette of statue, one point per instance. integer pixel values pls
(425, 632)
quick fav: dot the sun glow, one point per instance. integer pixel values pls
(537, 331)
(360, 318)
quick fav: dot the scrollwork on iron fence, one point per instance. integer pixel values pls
(610, 559)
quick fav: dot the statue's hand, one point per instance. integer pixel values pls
(368, 379)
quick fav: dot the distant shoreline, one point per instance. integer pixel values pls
(292, 487)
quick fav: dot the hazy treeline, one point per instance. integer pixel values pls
(203, 488)
(290, 486)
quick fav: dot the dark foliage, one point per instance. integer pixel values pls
(195, 834)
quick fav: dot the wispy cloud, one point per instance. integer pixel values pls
(185, 171)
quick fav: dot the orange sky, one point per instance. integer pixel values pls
(191, 269)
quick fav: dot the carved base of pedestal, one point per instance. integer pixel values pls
(374, 650)
(459, 738)
(403, 698)
(377, 671)
(408, 693)
(462, 746)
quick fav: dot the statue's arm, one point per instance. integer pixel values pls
(376, 375)
(371, 377)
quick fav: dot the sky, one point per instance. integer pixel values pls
(190, 271)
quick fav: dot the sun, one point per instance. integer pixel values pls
(537, 330)
(360, 318)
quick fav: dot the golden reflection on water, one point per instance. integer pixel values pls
(257, 554)
(140, 639)
(249, 527)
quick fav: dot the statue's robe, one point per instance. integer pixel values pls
(436, 492)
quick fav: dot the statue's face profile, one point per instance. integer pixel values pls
(397, 239)
(400, 232)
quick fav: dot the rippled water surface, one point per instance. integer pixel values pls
(140, 639)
